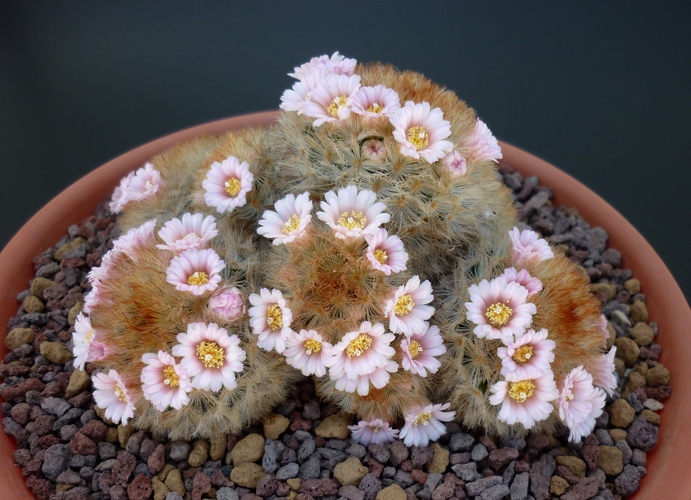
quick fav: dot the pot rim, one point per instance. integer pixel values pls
(664, 299)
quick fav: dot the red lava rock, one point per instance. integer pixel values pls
(566, 473)
(376, 467)
(157, 459)
(319, 487)
(658, 393)
(304, 496)
(591, 456)
(18, 370)
(140, 488)
(48, 440)
(267, 486)
(22, 456)
(587, 487)
(20, 413)
(419, 476)
(201, 484)
(191, 472)
(406, 466)
(232, 441)
(13, 392)
(219, 480)
(34, 466)
(117, 492)
(499, 458)
(82, 445)
(444, 491)
(122, 470)
(43, 425)
(488, 442)
(95, 430)
(81, 399)
(53, 390)
(299, 423)
(41, 488)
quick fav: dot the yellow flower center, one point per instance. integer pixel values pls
(380, 255)
(498, 314)
(569, 396)
(198, 278)
(422, 418)
(336, 104)
(233, 186)
(414, 349)
(291, 225)
(418, 137)
(211, 354)
(352, 220)
(88, 337)
(375, 108)
(312, 346)
(523, 354)
(358, 345)
(120, 393)
(521, 391)
(274, 317)
(170, 378)
(404, 305)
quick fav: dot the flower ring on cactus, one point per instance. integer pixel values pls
(525, 401)
(455, 163)
(373, 432)
(529, 247)
(290, 220)
(164, 382)
(137, 186)
(195, 271)
(424, 424)
(406, 310)
(111, 394)
(376, 102)
(528, 356)
(307, 351)
(332, 99)
(228, 304)
(87, 342)
(580, 403)
(352, 213)
(420, 350)
(270, 318)
(227, 184)
(483, 145)
(603, 372)
(523, 278)
(135, 238)
(421, 131)
(337, 64)
(386, 253)
(193, 231)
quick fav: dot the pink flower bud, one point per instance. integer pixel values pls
(228, 304)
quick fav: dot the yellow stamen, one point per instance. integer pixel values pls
(498, 314)
(88, 337)
(404, 305)
(233, 186)
(422, 418)
(336, 104)
(170, 378)
(274, 317)
(198, 278)
(414, 349)
(523, 354)
(120, 393)
(291, 225)
(569, 396)
(418, 137)
(352, 220)
(521, 391)
(375, 108)
(211, 354)
(380, 255)
(358, 345)
(312, 346)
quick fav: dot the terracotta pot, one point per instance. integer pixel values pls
(668, 463)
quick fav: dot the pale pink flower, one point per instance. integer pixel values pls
(270, 319)
(331, 99)
(603, 371)
(529, 247)
(386, 253)
(423, 425)
(164, 382)
(455, 163)
(228, 304)
(374, 102)
(111, 395)
(337, 64)
(499, 309)
(91, 299)
(602, 326)
(307, 351)
(137, 237)
(98, 350)
(482, 144)
(529, 356)
(407, 310)
(378, 379)
(580, 403)
(294, 99)
(360, 352)
(227, 184)
(373, 149)
(373, 432)
(137, 186)
(193, 231)
(420, 351)
(421, 132)
(290, 220)
(525, 401)
(210, 356)
(523, 278)
(195, 271)
(83, 338)
(352, 214)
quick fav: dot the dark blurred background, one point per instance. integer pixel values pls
(600, 89)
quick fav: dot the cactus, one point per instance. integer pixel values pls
(365, 240)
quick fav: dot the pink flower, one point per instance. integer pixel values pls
(529, 356)
(602, 326)
(290, 220)
(483, 145)
(421, 132)
(137, 186)
(111, 394)
(529, 247)
(361, 383)
(164, 382)
(193, 231)
(270, 318)
(525, 401)
(137, 237)
(210, 356)
(373, 432)
(603, 372)
(580, 403)
(455, 163)
(386, 253)
(360, 352)
(227, 184)
(352, 214)
(83, 338)
(373, 149)
(523, 278)
(406, 310)
(331, 99)
(195, 271)
(420, 349)
(423, 425)
(337, 64)
(307, 351)
(294, 99)
(499, 309)
(374, 102)
(227, 304)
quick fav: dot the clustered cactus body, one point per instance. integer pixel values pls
(364, 240)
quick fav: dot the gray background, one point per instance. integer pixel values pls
(600, 89)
